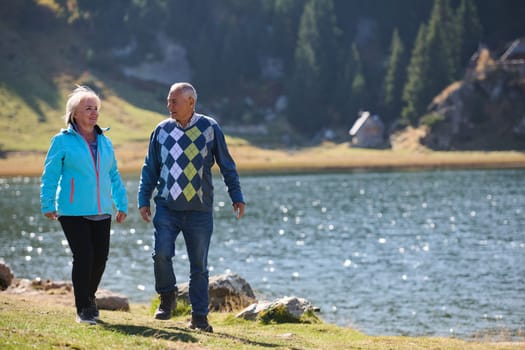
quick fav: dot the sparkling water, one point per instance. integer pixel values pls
(438, 253)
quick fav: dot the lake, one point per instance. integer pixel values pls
(438, 253)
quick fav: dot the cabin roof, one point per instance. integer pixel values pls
(359, 123)
(515, 50)
(363, 118)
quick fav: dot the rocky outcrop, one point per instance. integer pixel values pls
(228, 292)
(485, 111)
(287, 309)
(107, 300)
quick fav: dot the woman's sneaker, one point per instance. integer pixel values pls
(93, 308)
(85, 316)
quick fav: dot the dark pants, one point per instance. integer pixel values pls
(89, 243)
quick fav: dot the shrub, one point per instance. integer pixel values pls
(432, 119)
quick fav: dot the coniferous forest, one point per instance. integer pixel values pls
(328, 59)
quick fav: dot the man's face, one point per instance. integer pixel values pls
(180, 106)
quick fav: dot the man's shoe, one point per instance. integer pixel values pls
(85, 316)
(168, 302)
(200, 322)
(93, 308)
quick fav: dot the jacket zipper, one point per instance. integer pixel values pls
(72, 193)
(96, 166)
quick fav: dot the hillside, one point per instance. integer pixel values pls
(39, 69)
(45, 50)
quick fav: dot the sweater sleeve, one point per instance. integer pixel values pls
(150, 173)
(51, 175)
(227, 166)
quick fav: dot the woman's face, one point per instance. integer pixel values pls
(86, 113)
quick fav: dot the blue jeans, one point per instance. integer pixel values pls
(196, 228)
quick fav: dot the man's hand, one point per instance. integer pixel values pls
(238, 209)
(145, 212)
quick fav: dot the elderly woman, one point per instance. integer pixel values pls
(80, 185)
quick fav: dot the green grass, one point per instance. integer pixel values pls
(38, 71)
(25, 128)
(27, 322)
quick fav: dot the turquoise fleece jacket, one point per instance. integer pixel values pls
(179, 165)
(74, 184)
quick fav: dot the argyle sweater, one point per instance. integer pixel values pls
(179, 162)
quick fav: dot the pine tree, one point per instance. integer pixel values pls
(284, 17)
(468, 32)
(431, 67)
(350, 90)
(357, 91)
(311, 100)
(414, 87)
(304, 98)
(394, 77)
(440, 49)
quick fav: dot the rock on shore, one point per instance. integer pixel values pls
(227, 293)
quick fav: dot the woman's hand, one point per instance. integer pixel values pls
(52, 215)
(121, 216)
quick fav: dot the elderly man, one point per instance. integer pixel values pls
(181, 153)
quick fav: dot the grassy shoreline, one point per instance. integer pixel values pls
(28, 323)
(325, 157)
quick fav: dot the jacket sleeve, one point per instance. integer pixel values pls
(227, 166)
(118, 189)
(51, 175)
(150, 173)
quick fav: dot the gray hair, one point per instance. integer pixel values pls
(80, 93)
(187, 89)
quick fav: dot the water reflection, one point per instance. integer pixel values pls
(439, 253)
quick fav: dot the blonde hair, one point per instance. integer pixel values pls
(80, 93)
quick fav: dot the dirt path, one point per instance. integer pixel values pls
(42, 292)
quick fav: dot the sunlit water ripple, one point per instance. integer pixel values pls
(415, 253)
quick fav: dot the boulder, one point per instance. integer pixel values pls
(227, 292)
(6, 276)
(284, 310)
(107, 300)
(484, 111)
